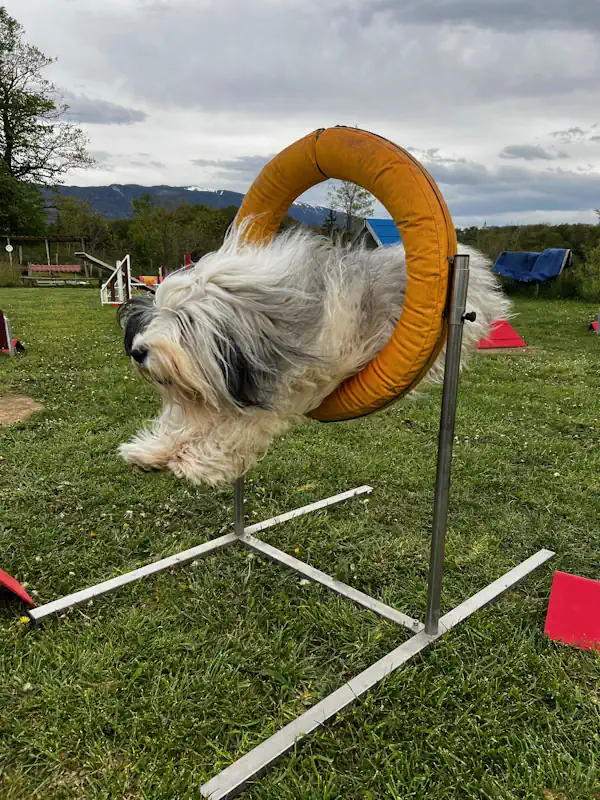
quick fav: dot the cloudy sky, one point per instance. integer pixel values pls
(500, 99)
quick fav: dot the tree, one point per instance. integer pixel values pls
(21, 207)
(330, 226)
(77, 218)
(36, 146)
(160, 236)
(353, 201)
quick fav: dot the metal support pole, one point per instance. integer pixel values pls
(460, 283)
(238, 507)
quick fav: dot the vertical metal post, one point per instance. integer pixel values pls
(120, 283)
(460, 282)
(128, 276)
(238, 507)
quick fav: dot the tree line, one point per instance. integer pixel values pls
(155, 236)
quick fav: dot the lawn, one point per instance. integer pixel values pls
(150, 691)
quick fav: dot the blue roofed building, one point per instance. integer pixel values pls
(379, 233)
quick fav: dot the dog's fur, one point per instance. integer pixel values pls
(253, 337)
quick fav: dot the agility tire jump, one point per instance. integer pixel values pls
(428, 319)
(417, 207)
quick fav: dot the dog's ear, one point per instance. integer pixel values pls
(252, 372)
(248, 384)
(133, 316)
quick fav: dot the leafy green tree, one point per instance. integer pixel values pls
(76, 218)
(330, 225)
(160, 236)
(588, 275)
(36, 146)
(21, 207)
(353, 201)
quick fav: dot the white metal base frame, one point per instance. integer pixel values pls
(232, 780)
(235, 778)
(38, 614)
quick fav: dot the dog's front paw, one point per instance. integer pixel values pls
(138, 454)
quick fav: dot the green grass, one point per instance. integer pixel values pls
(152, 690)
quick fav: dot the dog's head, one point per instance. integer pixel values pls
(215, 335)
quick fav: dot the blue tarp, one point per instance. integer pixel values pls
(533, 267)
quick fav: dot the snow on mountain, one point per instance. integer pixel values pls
(198, 189)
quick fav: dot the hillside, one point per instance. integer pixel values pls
(114, 201)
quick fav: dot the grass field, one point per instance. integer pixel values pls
(152, 690)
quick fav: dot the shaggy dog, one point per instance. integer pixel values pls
(255, 336)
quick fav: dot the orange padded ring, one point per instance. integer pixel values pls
(416, 205)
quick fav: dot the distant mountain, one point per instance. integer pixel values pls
(114, 201)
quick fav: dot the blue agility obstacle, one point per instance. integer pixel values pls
(528, 267)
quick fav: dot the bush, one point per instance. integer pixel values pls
(588, 275)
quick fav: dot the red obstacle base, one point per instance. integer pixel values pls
(17, 346)
(593, 326)
(574, 611)
(14, 587)
(502, 335)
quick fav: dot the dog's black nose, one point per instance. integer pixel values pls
(139, 354)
